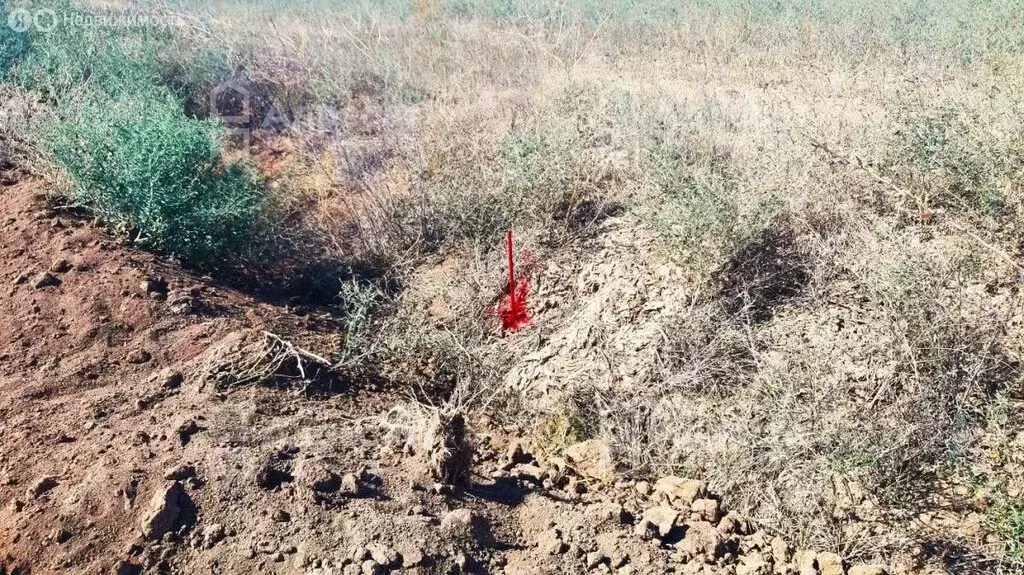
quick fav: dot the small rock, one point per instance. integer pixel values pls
(412, 557)
(705, 510)
(60, 266)
(866, 570)
(212, 535)
(181, 472)
(138, 356)
(807, 562)
(753, 565)
(663, 518)
(733, 523)
(551, 542)
(281, 516)
(153, 286)
(186, 430)
(458, 519)
(350, 485)
(680, 491)
(830, 564)
(169, 378)
(530, 473)
(313, 473)
(371, 567)
(518, 453)
(125, 568)
(703, 540)
(164, 511)
(781, 551)
(61, 536)
(594, 559)
(464, 523)
(384, 555)
(44, 280)
(41, 487)
(592, 458)
(643, 488)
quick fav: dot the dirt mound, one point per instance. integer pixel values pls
(153, 421)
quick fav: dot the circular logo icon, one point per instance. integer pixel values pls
(19, 20)
(45, 20)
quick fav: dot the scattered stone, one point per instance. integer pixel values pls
(385, 556)
(41, 487)
(371, 567)
(703, 540)
(866, 570)
(61, 536)
(20, 278)
(60, 266)
(281, 516)
(45, 280)
(705, 510)
(753, 565)
(781, 551)
(663, 520)
(733, 523)
(137, 356)
(830, 564)
(592, 458)
(153, 286)
(350, 485)
(212, 535)
(186, 430)
(314, 474)
(643, 488)
(682, 492)
(169, 378)
(807, 562)
(165, 509)
(181, 472)
(594, 559)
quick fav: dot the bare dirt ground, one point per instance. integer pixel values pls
(135, 439)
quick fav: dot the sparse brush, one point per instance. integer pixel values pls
(438, 437)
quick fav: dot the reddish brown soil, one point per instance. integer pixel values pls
(96, 437)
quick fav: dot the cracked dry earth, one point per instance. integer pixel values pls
(130, 442)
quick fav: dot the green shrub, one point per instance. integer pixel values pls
(69, 59)
(702, 220)
(952, 157)
(157, 175)
(126, 143)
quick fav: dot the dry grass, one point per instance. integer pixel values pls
(839, 188)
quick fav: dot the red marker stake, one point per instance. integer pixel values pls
(513, 312)
(511, 266)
